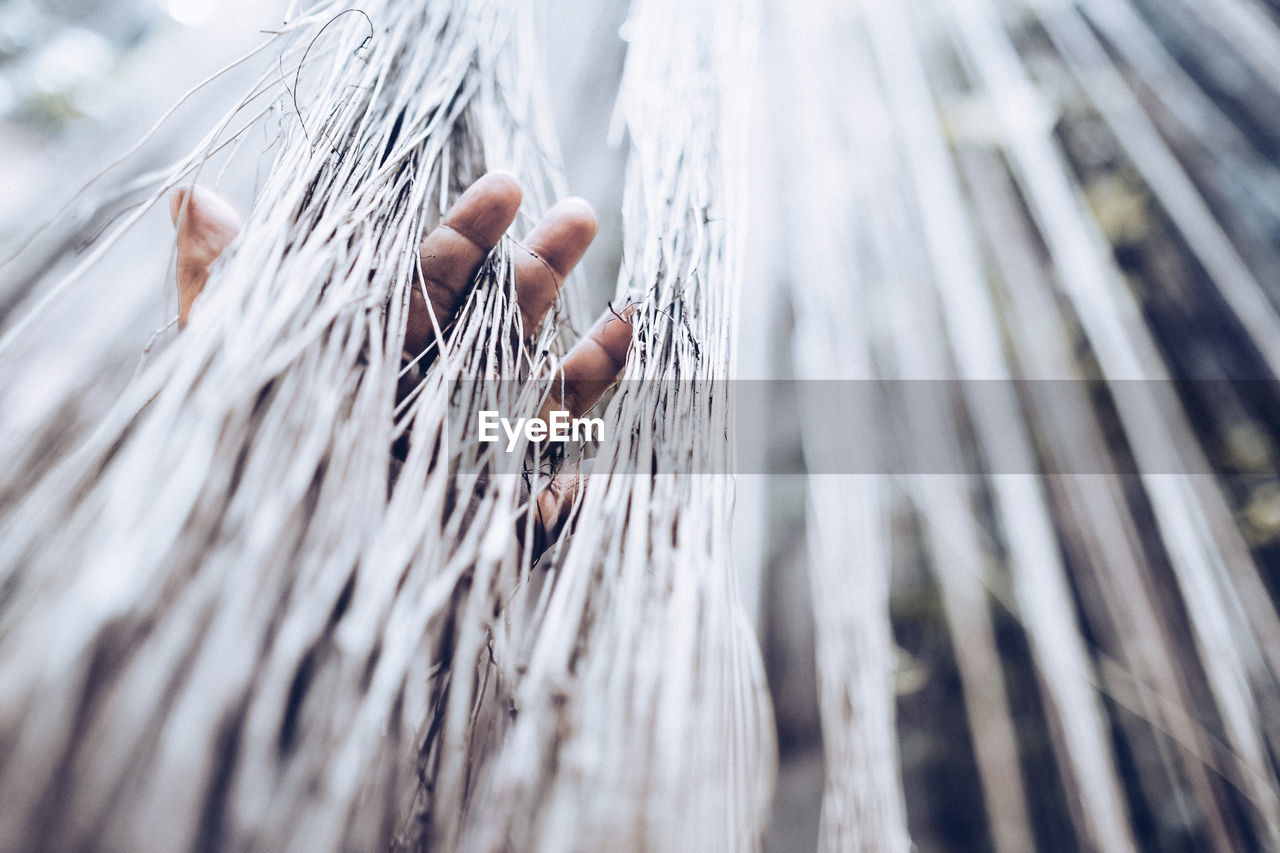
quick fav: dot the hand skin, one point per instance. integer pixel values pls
(451, 255)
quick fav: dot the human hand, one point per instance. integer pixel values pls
(451, 256)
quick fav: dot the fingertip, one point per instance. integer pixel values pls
(595, 362)
(486, 210)
(502, 182)
(575, 219)
(563, 236)
(206, 211)
(214, 211)
(615, 334)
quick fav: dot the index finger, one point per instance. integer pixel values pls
(454, 250)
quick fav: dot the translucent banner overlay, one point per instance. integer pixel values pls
(872, 427)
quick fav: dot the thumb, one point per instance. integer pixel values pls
(206, 225)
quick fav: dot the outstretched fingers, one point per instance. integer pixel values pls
(451, 255)
(453, 252)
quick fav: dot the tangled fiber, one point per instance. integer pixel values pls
(270, 600)
(242, 637)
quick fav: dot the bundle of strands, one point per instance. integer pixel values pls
(643, 718)
(224, 624)
(1053, 192)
